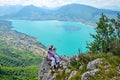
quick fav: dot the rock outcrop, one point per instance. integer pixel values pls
(92, 64)
(44, 72)
(87, 75)
(70, 69)
(73, 73)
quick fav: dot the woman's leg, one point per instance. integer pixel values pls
(57, 58)
(53, 61)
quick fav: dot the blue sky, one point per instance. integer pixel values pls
(56, 3)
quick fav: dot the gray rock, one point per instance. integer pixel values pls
(65, 62)
(54, 76)
(73, 73)
(73, 58)
(67, 70)
(76, 58)
(118, 69)
(46, 76)
(44, 72)
(81, 67)
(60, 70)
(87, 75)
(92, 65)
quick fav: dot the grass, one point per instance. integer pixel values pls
(108, 67)
(19, 73)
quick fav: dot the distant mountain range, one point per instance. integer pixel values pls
(71, 12)
(9, 9)
(115, 8)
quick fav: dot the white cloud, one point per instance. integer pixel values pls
(9, 2)
(103, 3)
(54, 3)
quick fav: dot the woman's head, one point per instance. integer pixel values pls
(51, 46)
(54, 49)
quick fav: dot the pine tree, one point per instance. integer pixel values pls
(116, 25)
(116, 43)
(104, 35)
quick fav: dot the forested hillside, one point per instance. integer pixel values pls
(20, 54)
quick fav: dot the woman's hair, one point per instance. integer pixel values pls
(51, 46)
(54, 49)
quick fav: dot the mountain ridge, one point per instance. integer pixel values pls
(70, 12)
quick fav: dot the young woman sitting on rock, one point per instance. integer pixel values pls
(57, 58)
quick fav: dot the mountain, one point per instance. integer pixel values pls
(30, 12)
(76, 12)
(114, 8)
(20, 54)
(82, 13)
(9, 9)
(70, 12)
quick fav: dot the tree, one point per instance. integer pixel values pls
(115, 49)
(104, 35)
(116, 25)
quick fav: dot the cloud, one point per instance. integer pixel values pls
(55, 3)
(11, 2)
(103, 3)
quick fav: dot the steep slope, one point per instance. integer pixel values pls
(20, 54)
(19, 40)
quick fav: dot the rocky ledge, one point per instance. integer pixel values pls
(92, 70)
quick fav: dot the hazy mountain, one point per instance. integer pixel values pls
(115, 8)
(71, 12)
(76, 11)
(83, 12)
(30, 12)
(9, 9)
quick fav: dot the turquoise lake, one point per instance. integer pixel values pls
(66, 36)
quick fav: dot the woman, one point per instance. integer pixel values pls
(57, 59)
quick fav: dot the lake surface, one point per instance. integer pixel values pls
(66, 36)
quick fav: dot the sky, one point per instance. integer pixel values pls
(56, 3)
